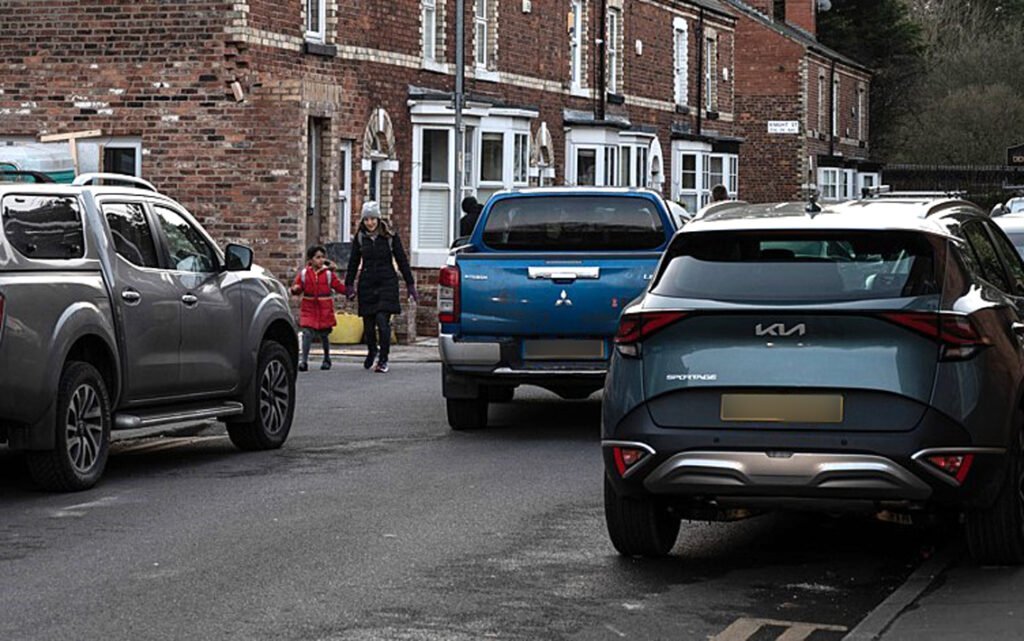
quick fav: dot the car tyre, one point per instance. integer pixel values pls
(467, 413)
(82, 433)
(638, 526)
(275, 402)
(995, 536)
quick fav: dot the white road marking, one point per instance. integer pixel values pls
(80, 509)
(744, 629)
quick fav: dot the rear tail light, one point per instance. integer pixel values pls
(448, 295)
(955, 465)
(636, 328)
(957, 334)
(626, 458)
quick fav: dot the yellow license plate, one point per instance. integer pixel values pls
(783, 408)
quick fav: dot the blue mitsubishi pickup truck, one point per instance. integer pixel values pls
(534, 297)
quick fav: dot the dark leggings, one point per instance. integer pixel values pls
(374, 325)
(307, 340)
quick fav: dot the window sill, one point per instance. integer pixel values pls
(682, 109)
(320, 49)
(711, 115)
(579, 92)
(434, 66)
(486, 75)
(615, 99)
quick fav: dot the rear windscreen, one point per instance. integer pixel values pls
(798, 267)
(574, 223)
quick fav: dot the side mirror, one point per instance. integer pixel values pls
(238, 258)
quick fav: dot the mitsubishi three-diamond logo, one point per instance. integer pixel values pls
(563, 300)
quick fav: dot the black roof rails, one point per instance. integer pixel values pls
(38, 176)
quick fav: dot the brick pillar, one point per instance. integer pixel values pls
(802, 14)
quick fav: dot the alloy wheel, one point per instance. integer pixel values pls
(84, 428)
(274, 397)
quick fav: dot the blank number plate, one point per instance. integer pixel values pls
(783, 408)
(559, 350)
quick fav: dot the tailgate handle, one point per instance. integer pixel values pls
(564, 273)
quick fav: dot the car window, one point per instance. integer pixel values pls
(799, 267)
(574, 223)
(133, 238)
(187, 249)
(985, 252)
(1010, 257)
(44, 226)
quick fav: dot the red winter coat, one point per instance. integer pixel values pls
(317, 308)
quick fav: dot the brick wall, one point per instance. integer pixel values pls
(163, 72)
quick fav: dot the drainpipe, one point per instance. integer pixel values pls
(602, 52)
(833, 114)
(700, 72)
(458, 98)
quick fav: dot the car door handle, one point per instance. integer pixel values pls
(131, 296)
(1018, 329)
(190, 300)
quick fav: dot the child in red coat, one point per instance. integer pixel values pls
(316, 283)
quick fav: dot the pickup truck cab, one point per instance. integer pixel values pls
(534, 297)
(118, 311)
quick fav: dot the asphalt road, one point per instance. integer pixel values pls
(375, 521)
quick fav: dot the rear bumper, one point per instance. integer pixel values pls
(759, 469)
(470, 366)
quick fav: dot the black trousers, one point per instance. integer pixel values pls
(377, 330)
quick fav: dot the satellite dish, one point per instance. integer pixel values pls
(824, 5)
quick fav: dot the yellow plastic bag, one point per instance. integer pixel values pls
(349, 329)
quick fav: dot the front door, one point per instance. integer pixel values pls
(147, 304)
(211, 318)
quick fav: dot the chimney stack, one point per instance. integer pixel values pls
(803, 14)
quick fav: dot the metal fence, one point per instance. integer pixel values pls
(985, 185)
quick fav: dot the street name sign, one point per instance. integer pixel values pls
(783, 126)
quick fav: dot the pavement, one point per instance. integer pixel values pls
(423, 350)
(950, 599)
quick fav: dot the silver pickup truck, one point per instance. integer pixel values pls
(117, 311)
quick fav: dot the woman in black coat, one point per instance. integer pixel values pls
(375, 252)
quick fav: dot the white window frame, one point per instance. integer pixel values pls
(681, 60)
(821, 103)
(576, 46)
(319, 34)
(700, 193)
(710, 66)
(481, 24)
(429, 26)
(612, 48)
(860, 113)
(835, 106)
(520, 158)
(431, 256)
(828, 183)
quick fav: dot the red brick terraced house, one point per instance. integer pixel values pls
(274, 120)
(801, 107)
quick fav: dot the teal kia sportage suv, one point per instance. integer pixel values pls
(864, 356)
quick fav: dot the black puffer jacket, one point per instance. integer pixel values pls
(378, 282)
